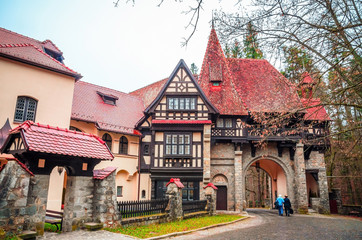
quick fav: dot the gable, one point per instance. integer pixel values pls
(181, 96)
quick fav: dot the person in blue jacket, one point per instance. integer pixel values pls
(280, 202)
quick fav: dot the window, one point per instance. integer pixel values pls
(108, 139)
(181, 103)
(224, 123)
(215, 84)
(190, 191)
(25, 109)
(123, 145)
(119, 191)
(108, 98)
(143, 194)
(228, 123)
(178, 144)
(146, 150)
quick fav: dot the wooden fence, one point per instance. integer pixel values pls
(142, 207)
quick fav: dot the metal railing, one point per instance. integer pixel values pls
(193, 206)
(142, 208)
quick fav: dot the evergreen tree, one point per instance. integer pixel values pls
(251, 45)
(235, 51)
(194, 69)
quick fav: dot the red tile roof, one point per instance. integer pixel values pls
(315, 109)
(262, 87)
(149, 92)
(54, 140)
(181, 121)
(211, 185)
(103, 173)
(307, 79)
(89, 106)
(176, 181)
(225, 98)
(31, 51)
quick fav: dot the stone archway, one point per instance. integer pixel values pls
(284, 166)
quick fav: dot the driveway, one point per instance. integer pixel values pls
(266, 224)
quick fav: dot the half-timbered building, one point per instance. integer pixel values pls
(205, 129)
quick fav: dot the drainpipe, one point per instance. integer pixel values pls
(139, 167)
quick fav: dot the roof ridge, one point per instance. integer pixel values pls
(35, 47)
(21, 35)
(31, 123)
(148, 85)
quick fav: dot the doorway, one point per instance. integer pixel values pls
(221, 198)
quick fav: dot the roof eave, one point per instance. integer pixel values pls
(76, 76)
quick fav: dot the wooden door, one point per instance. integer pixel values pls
(221, 198)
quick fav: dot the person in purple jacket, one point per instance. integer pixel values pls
(280, 202)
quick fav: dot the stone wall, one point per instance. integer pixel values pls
(14, 211)
(105, 209)
(23, 199)
(78, 208)
(223, 170)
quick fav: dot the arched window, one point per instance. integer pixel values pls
(123, 145)
(143, 193)
(25, 109)
(108, 139)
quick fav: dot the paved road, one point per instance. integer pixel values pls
(266, 224)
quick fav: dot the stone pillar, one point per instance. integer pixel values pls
(174, 193)
(105, 209)
(323, 192)
(238, 181)
(210, 194)
(300, 180)
(207, 154)
(37, 199)
(14, 189)
(78, 205)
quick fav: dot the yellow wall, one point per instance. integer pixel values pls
(53, 91)
(127, 172)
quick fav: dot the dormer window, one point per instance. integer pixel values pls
(55, 55)
(215, 73)
(108, 98)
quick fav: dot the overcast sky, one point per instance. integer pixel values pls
(123, 48)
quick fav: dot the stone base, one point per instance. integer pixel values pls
(31, 235)
(93, 226)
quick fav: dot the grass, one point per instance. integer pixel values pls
(172, 227)
(50, 228)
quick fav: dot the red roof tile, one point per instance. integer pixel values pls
(315, 109)
(28, 50)
(89, 106)
(103, 173)
(215, 67)
(54, 140)
(176, 181)
(307, 79)
(181, 121)
(262, 87)
(211, 185)
(149, 92)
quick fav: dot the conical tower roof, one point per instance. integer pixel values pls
(216, 81)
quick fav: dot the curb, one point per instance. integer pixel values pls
(191, 231)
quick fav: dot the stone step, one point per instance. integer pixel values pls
(93, 226)
(311, 210)
(30, 235)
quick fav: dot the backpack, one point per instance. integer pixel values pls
(276, 204)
